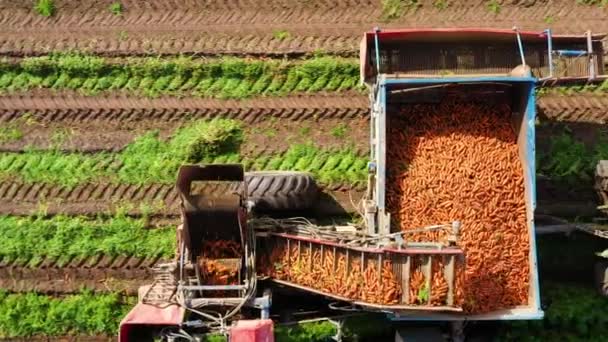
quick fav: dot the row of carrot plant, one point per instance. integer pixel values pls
(149, 159)
(62, 238)
(217, 77)
(228, 77)
(573, 313)
(30, 314)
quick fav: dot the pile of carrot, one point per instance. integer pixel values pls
(459, 161)
(329, 274)
(214, 272)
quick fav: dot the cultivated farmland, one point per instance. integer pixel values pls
(101, 101)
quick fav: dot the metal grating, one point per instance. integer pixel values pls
(365, 276)
(446, 59)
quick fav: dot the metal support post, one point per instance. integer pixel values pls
(520, 45)
(590, 53)
(376, 31)
(550, 51)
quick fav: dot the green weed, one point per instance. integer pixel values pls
(600, 3)
(60, 136)
(423, 294)
(269, 132)
(281, 34)
(441, 4)
(494, 6)
(45, 8)
(393, 9)
(10, 133)
(339, 131)
(304, 131)
(548, 20)
(116, 8)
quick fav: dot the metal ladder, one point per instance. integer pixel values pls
(163, 289)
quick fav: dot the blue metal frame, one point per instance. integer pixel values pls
(533, 311)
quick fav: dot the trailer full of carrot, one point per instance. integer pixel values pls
(459, 161)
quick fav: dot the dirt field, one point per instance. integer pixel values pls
(249, 27)
(70, 122)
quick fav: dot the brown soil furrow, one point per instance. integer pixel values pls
(171, 45)
(261, 12)
(156, 199)
(100, 273)
(72, 108)
(574, 108)
(250, 28)
(261, 138)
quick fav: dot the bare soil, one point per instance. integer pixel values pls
(250, 27)
(262, 137)
(157, 199)
(65, 107)
(100, 273)
(49, 106)
(93, 124)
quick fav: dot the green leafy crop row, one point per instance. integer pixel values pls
(600, 3)
(32, 238)
(29, 314)
(573, 313)
(568, 159)
(591, 88)
(364, 327)
(223, 78)
(151, 160)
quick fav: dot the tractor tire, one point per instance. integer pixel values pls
(601, 276)
(281, 190)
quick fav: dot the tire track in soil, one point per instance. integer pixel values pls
(103, 273)
(162, 199)
(589, 108)
(177, 43)
(71, 107)
(248, 27)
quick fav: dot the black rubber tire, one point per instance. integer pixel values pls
(281, 190)
(601, 276)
